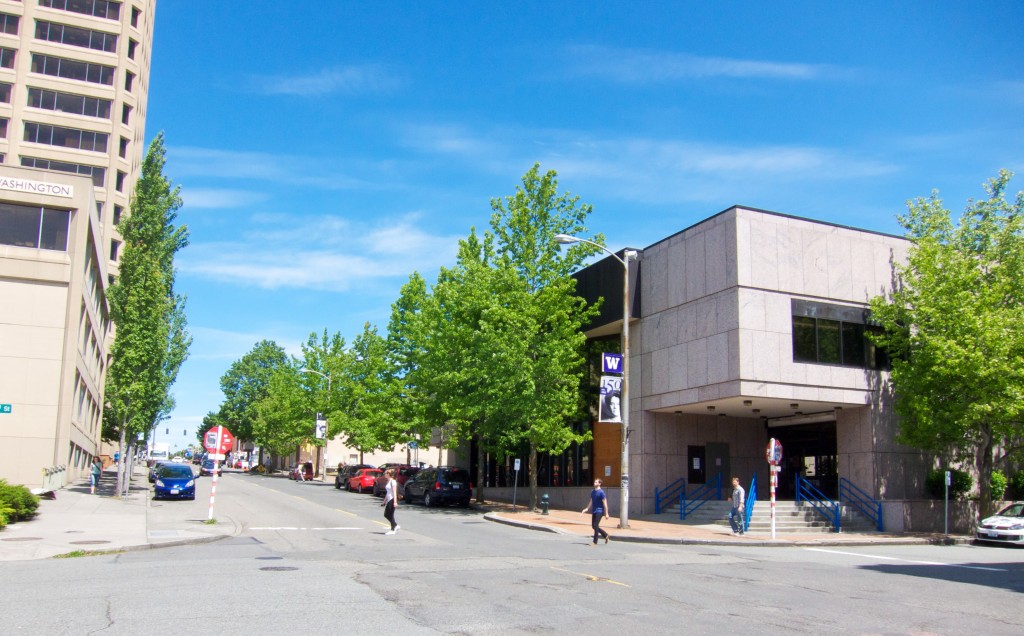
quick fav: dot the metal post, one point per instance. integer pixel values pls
(216, 471)
(624, 462)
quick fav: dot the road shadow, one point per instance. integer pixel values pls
(1006, 576)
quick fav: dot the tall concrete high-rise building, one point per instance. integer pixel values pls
(74, 76)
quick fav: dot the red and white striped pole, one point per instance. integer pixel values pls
(216, 471)
(775, 476)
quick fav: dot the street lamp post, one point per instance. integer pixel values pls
(565, 239)
(327, 376)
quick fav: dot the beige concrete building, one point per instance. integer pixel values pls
(74, 76)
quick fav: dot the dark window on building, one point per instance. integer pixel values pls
(129, 80)
(72, 69)
(76, 36)
(118, 210)
(834, 334)
(109, 9)
(126, 113)
(7, 58)
(69, 103)
(122, 151)
(95, 172)
(27, 226)
(115, 246)
(3, 128)
(9, 23)
(5, 93)
(119, 186)
(65, 137)
(136, 12)
(132, 46)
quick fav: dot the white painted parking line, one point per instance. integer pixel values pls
(301, 528)
(886, 558)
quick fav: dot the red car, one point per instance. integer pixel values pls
(403, 473)
(362, 480)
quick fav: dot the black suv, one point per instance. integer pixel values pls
(344, 472)
(440, 486)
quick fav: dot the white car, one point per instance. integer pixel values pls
(1007, 526)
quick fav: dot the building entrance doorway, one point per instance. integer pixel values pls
(808, 450)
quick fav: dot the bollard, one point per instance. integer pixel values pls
(544, 502)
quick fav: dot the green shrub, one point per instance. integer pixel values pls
(1016, 486)
(998, 485)
(960, 483)
(21, 503)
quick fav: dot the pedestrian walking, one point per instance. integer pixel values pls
(94, 474)
(391, 500)
(736, 516)
(598, 508)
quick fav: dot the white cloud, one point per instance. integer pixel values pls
(220, 198)
(211, 163)
(634, 66)
(349, 80)
(322, 253)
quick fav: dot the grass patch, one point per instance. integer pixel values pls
(85, 553)
(210, 522)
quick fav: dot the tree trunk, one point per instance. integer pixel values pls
(481, 469)
(121, 459)
(533, 476)
(985, 465)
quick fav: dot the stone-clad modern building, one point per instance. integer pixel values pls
(74, 77)
(751, 325)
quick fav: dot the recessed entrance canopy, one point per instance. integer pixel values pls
(782, 409)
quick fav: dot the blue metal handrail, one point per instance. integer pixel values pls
(870, 508)
(805, 491)
(689, 505)
(668, 493)
(748, 510)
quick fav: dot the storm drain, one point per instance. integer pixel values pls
(89, 542)
(278, 568)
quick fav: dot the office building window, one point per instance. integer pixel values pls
(72, 69)
(833, 334)
(3, 128)
(136, 12)
(7, 57)
(5, 93)
(122, 151)
(129, 81)
(118, 210)
(76, 36)
(132, 47)
(109, 9)
(65, 137)
(115, 247)
(126, 112)
(69, 103)
(95, 172)
(119, 185)
(36, 227)
(9, 23)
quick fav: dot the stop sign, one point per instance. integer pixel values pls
(227, 440)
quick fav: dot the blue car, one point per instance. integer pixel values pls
(174, 481)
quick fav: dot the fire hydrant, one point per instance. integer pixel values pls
(544, 502)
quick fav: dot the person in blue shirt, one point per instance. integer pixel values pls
(598, 508)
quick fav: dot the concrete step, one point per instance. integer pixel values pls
(790, 517)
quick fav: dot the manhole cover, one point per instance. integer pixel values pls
(269, 558)
(22, 539)
(278, 568)
(89, 542)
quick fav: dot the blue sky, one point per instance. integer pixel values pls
(323, 160)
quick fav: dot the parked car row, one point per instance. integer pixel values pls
(431, 486)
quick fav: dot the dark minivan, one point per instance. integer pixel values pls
(440, 486)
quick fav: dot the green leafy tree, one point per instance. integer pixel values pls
(324, 360)
(953, 327)
(368, 418)
(151, 340)
(245, 384)
(283, 418)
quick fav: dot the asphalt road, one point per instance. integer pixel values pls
(314, 560)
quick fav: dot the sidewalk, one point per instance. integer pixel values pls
(668, 529)
(78, 521)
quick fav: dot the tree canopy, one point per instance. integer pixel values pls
(954, 329)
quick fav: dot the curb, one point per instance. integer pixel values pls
(758, 543)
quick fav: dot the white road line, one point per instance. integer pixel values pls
(301, 528)
(885, 558)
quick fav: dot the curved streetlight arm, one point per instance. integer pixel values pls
(566, 239)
